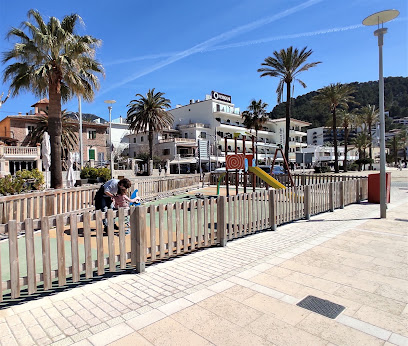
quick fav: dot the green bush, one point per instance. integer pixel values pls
(95, 173)
(12, 185)
(35, 177)
(104, 173)
(89, 173)
(322, 169)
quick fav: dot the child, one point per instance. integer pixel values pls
(122, 201)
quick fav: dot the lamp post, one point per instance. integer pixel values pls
(81, 152)
(110, 102)
(379, 19)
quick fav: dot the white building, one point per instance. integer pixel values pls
(216, 118)
(120, 130)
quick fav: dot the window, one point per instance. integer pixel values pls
(91, 154)
(186, 135)
(101, 157)
(92, 134)
(134, 140)
(141, 139)
(203, 134)
(30, 128)
(134, 154)
(166, 152)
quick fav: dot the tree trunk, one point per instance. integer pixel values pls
(370, 151)
(346, 131)
(336, 154)
(150, 142)
(395, 150)
(287, 137)
(55, 132)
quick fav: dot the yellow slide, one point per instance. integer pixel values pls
(266, 178)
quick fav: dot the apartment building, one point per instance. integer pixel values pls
(15, 131)
(216, 118)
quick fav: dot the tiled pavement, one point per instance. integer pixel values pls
(247, 292)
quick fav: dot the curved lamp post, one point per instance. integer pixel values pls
(379, 19)
(110, 102)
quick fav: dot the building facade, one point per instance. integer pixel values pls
(15, 131)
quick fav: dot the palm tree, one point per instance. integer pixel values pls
(51, 60)
(347, 120)
(369, 118)
(335, 95)
(361, 143)
(69, 138)
(255, 117)
(148, 113)
(287, 65)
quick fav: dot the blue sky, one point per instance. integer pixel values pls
(186, 48)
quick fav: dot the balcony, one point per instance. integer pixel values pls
(178, 141)
(14, 152)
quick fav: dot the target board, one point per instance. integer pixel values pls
(236, 161)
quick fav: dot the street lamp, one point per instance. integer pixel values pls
(81, 154)
(378, 19)
(110, 102)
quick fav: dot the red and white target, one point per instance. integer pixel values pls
(236, 161)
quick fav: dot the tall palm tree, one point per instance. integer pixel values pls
(148, 114)
(370, 116)
(335, 95)
(361, 143)
(287, 65)
(52, 60)
(69, 138)
(255, 117)
(347, 120)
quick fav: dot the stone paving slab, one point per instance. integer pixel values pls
(245, 293)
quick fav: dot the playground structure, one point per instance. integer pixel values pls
(247, 163)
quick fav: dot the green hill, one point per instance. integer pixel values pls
(396, 101)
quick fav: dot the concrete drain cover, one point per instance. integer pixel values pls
(321, 306)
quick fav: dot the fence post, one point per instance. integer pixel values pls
(331, 196)
(342, 194)
(307, 199)
(221, 220)
(51, 205)
(272, 210)
(138, 237)
(358, 199)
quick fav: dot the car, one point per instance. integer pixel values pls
(278, 170)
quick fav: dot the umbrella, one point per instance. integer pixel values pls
(46, 155)
(71, 173)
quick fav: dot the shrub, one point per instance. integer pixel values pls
(89, 173)
(322, 169)
(34, 178)
(12, 185)
(104, 173)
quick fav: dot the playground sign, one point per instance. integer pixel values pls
(235, 161)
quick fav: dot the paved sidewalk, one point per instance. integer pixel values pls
(245, 293)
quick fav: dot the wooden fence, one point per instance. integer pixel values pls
(298, 179)
(37, 204)
(52, 249)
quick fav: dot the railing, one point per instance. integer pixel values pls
(157, 233)
(19, 151)
(38, 204)
(298, 179)
(45, 203)
(177, 140)
(156, 186)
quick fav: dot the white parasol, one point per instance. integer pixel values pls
(46, 155)
(71, 173)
